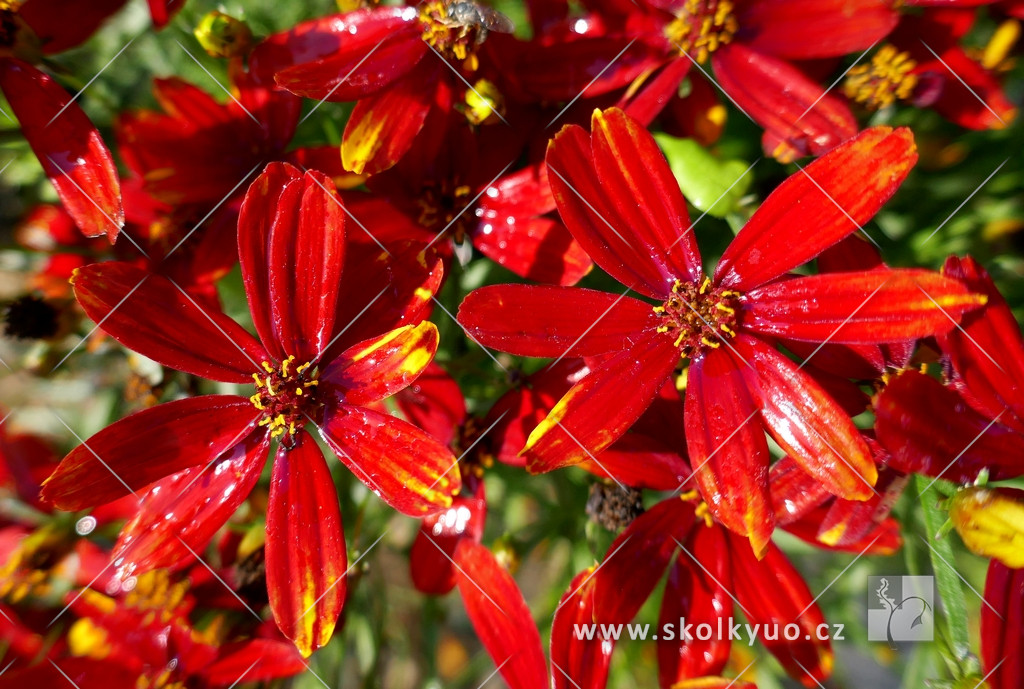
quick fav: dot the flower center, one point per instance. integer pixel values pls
(887, 79)
(697, 317)
(614, 507)
(443, 205)
(702, 26)
(285, 396)
(450, 29)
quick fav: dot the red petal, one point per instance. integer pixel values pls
(382, 126)
(342, 57)
(600, 408)
(807, 423)
(799, 220)
(536, 320)
(538, 249)
(807, 29)
(727, 447)
(929, 429)
(149, 315)
(500, 617)
(799, 117)
(870, 307)
(182, 512)
(374, 369)
(698, 591)
(578, 663)
(987, 351)
(772, 593)
(435, 403)
(1002, 627)
(430, 559)
(306, 557)
(640, 462)
(291, 243)
(147, 446)
(70, 150)
(65, 24)
(404, 466)
(253, 660)
(653, 539)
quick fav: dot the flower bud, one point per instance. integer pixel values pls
(222, 35)
(991, 523)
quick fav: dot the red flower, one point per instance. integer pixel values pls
(207, 452)
(649, 246)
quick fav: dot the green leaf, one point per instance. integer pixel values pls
(713, 186)
(948, 583)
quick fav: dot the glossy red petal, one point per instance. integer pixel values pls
(869, 307)
(772, 593)
(578, 663)
(640, 462)
(435, 403)
(807, 29)
(182, 512)
(382, 126)
(432, 552)
(148, 314)
(306, 556)
(931, 430)
(253, 660)
(601, 407)
(1002, 627)
(500, 616)
(342, 57)
(652, 538)
(408, 469)
(587, 209)
(987, 351)
(699, 592)
(818, 206)
(65, 24)
(971, 96)
(551, 321)
(799, 117)
(806, 422)
(291, 244)
(727, 446)
(538, 249)
(142, 448)
(68, 146)
(374, 369)
(645, 194)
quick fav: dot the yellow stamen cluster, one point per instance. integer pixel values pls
(887, 79)
(29, 570)
(702, 26)
(701, 511)
(441, 202)
(283, 395)
(698, 317)
(450, 38)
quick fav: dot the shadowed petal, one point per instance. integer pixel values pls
(255, 660)
(435, 403)
(1002, 626)
(578, 663)
(807, 29)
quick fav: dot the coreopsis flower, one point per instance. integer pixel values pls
(308, 366)
(385, 59)
(976, 423)
(1002, 627)
(617, 196)
(68, 146)
(924, 63)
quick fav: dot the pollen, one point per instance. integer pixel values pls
(887, 79)
(698, 317)
(454, 40)
(444, 205)
(285, 394)
(701, 27)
